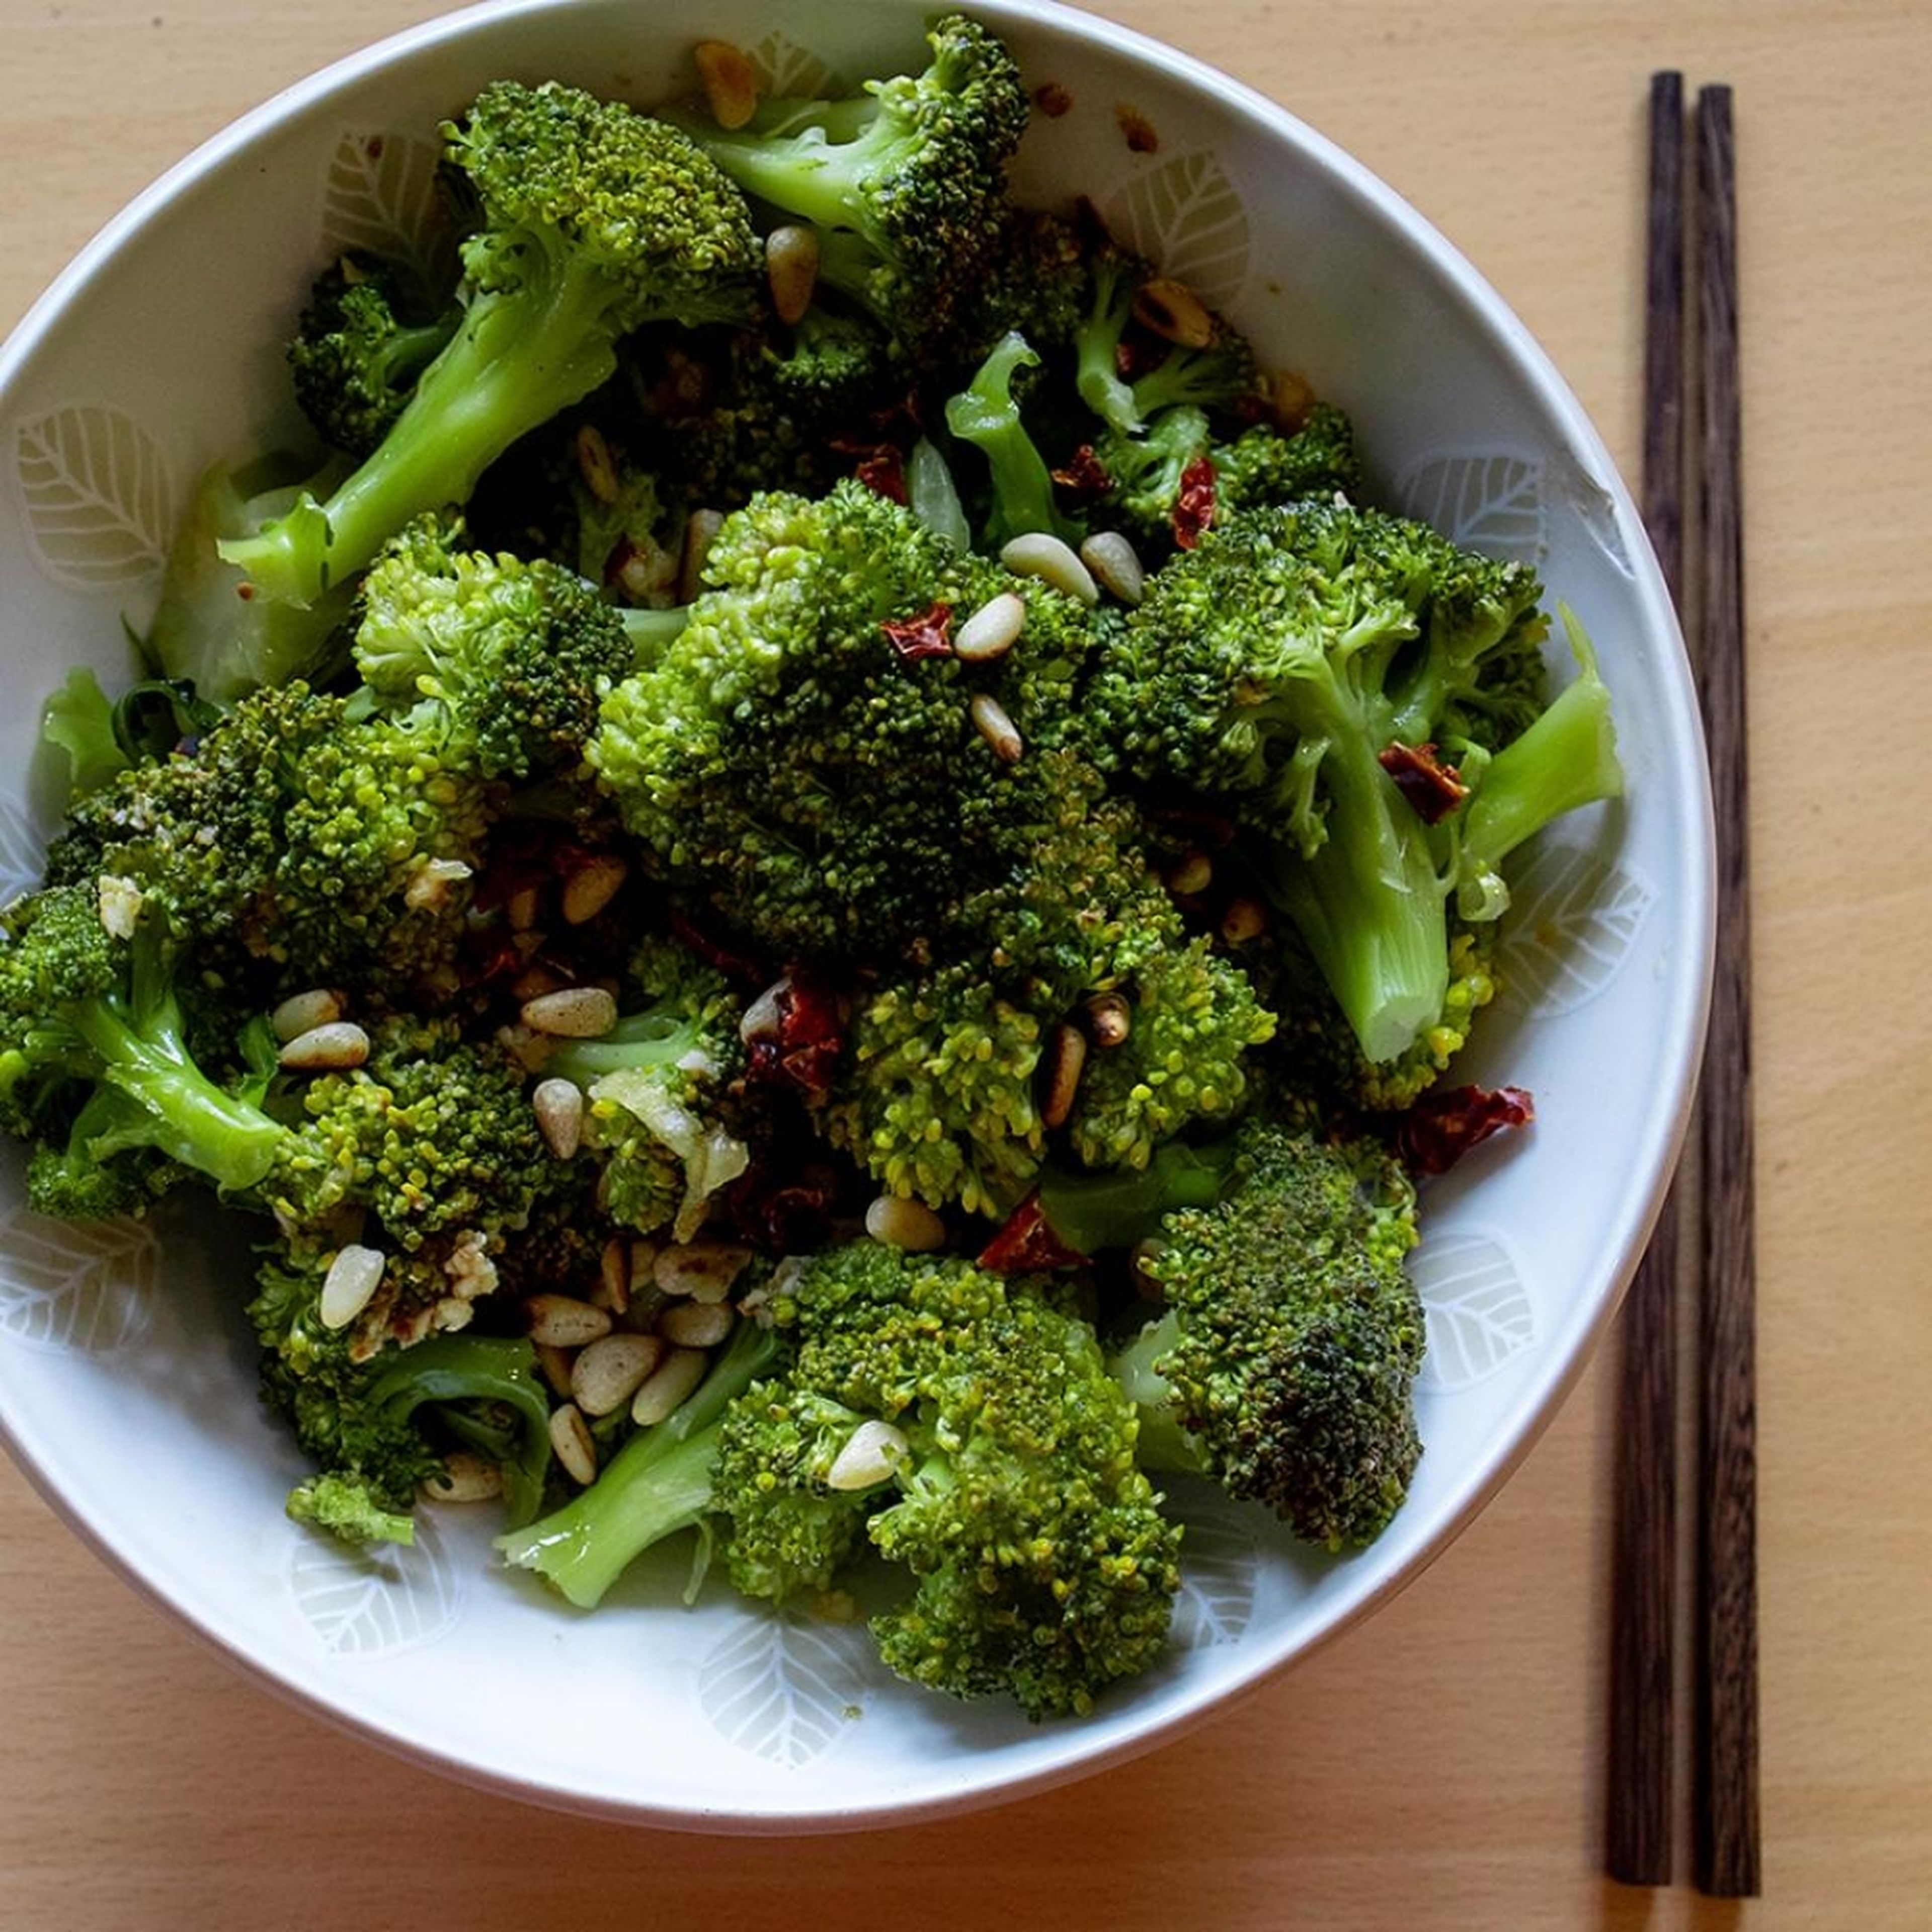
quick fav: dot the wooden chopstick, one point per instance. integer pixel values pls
(1727, 1853)
(1641, 1802)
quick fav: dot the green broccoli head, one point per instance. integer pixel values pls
(1284, 1364)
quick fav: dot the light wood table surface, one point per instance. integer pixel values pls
(1442, 1764)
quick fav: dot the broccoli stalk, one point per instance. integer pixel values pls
(658, 1483)
(595, 219)
(986, 413)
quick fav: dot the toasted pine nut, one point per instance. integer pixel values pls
(429, 884)
(871, 1453)
(522, 908)
(791, 269)
(730, 85)
(352, 1279)
(1109, 1019)
(592, 887)
(668, 1384)
(1038, 554)
(1290, 398)
(902, 1222)
(606, 1374)
(1174, 312)
(991, 719)
(570, 1439)
(993, 629)
(594, 463)
(302, 1013)
(331, 1048)
(1245, 918)
(613, 1276)
(563, 1321)
(701, 1271)
(1067, 1060)
(696, 1324)
(576, 1012)
(1116, 564)
(763, 1018)
(558, 1105)
(465, 1477)
(1191, 874)
(555, 1363)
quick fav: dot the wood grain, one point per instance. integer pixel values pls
(1442, 1766)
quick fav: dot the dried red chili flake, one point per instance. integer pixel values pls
(1440, 1129)
(1433, 789)
(1194, 507)
(799, 1038)
(1083, 473)
(928, 635)
(882, 472)
(785, 1214)
(1027, 1244)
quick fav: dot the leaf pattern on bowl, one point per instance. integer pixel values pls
(379, 197)
(787, 71)
(1493, 501)
(1478, 1306)
(99, 500)
(362, 1604)
(1574, 920)
(65, 1286)
(22, 851)
(783, 1687)
(1185, 214)
(1220, 1571)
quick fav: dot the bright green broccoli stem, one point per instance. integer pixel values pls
(1368, 900)
(657, 1483)
(1567, 758)
(657, 1037)
(521, 358)
(485, 1371)
(986, 414)
(1162, 1445)
(1093, 1212)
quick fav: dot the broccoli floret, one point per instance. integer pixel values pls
(503, 664)
(358, 351)
(1283, 1363)
(1304, 663)
(1266, 464)
(806, 755)
(593, 219)
(95, 1063)
(907, 179)
(658, 1484)
(664, 1118)
(994, 1456)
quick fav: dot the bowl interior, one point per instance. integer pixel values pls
(126, 1378)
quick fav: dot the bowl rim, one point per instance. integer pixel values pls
(1680, 765)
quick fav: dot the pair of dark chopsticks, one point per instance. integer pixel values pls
(1691, 496)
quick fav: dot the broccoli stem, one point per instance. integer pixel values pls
(986, 414)
(1161, 1444)
(658, 1483)
(521, 357)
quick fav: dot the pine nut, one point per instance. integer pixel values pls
(872, 1452)
(791, 269)
(522, 908)
(668, 1384)
(764, 1018)
(1245, 918)
(465, 1477)
(562, 1321)
(608, 1373)
(991, 720)
(570, 1439)
(1053, 562)
(1116, 564)
(595, 466)
(558, 1105)
(334, 1047)
(1067, 1059)
(613, 1290)
(1190, 875)
(303, 1012)
(348, 1286)
(902, 1222)
(730, 85)
(1109, 1019)
(576, 1013)
(1174, 313)
(992, 630)
(696, 1324)
(429, 884)
(592, 887)
(701, 1271)
(555, 1363)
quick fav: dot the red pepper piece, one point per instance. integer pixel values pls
(1027, 1244)
(1433, 789)
(1440, 1129)
(1194, 507)
(928, 635)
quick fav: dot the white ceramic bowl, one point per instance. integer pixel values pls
(126, 1377)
